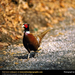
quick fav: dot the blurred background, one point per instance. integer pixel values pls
(40, 14)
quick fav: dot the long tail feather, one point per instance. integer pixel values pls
(44, 33)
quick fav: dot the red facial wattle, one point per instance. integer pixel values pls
(26, 25)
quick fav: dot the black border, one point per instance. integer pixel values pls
(48, 72)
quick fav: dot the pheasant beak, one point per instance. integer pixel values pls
(23, 26)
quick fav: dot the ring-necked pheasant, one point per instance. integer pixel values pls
(30, 41)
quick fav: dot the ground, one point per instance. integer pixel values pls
(57, 53)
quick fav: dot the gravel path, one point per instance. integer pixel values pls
(57, 53)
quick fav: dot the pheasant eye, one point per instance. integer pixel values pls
(26, 25)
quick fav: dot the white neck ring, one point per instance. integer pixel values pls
(28, 32)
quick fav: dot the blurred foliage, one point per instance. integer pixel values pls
(40, 14)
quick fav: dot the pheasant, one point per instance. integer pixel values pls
(32, 41)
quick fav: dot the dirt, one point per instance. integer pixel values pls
(57, 53)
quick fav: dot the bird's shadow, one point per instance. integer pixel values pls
(25, 56)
